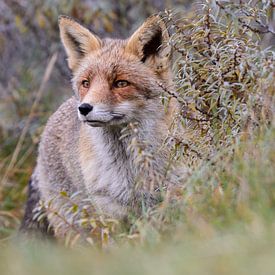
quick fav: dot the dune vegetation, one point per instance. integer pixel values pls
(220, 219)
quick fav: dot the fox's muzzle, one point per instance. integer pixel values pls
(98, 116)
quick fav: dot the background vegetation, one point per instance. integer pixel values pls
(221, 217)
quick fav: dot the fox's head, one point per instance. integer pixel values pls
(117, 81)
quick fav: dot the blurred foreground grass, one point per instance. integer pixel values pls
(232, 253)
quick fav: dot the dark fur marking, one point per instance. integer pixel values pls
(29, 225)
(153, 45)
(76, 44)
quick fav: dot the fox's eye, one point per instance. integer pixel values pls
(85, 83)
(121, 83)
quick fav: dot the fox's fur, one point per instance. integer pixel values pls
(84, 153)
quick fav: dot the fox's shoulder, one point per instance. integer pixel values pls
(64, 116)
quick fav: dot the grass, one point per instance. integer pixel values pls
(231, 253)
(223, 224)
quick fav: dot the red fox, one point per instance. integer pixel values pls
(116, 83)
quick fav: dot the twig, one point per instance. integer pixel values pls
(244, 24)
(172, 94)
(25, 156)
(24, 132)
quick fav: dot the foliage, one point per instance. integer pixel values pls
(224, 78)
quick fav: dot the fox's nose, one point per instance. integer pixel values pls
(85, 109)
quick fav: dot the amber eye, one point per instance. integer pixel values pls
(121, 83)
(85, 83)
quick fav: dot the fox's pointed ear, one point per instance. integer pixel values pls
(77, 40)
(151, 43)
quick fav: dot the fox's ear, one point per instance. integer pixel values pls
(151, 43)
(77, 40)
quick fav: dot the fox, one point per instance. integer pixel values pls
(116, 83)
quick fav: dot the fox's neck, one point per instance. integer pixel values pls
(127, 146)
(121, 161)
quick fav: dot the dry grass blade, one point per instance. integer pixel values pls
(24, 132)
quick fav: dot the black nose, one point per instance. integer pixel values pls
(85, 109)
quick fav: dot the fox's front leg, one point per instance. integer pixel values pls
(31, 224)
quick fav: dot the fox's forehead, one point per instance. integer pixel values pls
(112, 45)
(112, 58)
